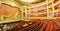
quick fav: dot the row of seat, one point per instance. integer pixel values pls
(51, 25)
(30, 27)
(40, 25)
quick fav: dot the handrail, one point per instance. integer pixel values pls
(49, 6)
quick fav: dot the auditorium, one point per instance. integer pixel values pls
(29, 15)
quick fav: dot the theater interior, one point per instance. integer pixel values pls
(29, 15)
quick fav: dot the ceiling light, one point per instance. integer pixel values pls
(27, 0)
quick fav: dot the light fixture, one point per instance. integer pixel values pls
(28, 0)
